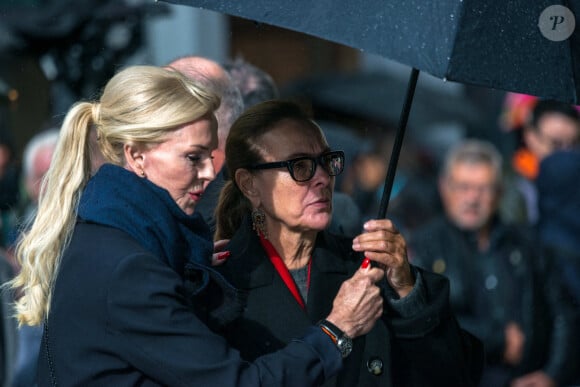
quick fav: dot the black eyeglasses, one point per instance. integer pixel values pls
(303, 168)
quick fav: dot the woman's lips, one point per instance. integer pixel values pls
(196, 195)
(321, 203)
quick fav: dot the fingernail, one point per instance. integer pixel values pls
(365, 263)
(224, 255)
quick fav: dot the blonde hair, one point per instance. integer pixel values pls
(139, 105)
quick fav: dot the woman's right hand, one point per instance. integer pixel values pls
(220, 256)
(358, 304)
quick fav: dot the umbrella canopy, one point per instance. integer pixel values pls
(378, 97)
(526, 46)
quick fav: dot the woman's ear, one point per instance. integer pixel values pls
(134, 158)
(245, 181)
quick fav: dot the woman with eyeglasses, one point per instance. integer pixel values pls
(275, 208)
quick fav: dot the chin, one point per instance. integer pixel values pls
(189, 210)
(320, 225)
(470, 224)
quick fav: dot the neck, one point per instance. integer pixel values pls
(294, 249)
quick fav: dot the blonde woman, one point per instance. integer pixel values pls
(117, 265)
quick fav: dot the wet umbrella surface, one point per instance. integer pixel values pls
(525, 46)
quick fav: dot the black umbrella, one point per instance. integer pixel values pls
(357, 94)
(526, 46)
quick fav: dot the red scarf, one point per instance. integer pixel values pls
(282, 270)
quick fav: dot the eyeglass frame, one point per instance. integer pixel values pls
(289, 164)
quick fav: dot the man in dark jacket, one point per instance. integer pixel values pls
(502, 288)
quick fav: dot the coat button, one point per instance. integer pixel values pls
(439, 266)
(375, 366)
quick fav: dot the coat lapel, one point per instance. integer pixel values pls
(328, 272)
(272, 317)
(255, 274)
(269, 303)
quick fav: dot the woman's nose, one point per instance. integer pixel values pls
(320, 175)
(208, 170)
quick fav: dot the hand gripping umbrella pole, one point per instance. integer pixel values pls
(400, 134)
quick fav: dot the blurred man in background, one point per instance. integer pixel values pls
(503, 289)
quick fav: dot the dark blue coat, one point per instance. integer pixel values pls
(119, 316)
(424, 349)
(559, 222)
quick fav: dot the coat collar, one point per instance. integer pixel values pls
(256, 270)
(250, 269)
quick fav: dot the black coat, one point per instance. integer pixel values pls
(120, 316)
(209, 200)
(427, 349)
(510, 282)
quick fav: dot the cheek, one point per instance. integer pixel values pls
(286, 197)
(490, 205)
(448, 200)
(172, 176)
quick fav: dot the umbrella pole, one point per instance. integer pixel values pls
(398, 143)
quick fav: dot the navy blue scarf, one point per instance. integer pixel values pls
(119, 198)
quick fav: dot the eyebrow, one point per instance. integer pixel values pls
(198, 147)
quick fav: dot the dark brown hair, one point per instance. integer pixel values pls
(243, 148)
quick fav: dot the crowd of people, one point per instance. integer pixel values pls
(186, 228)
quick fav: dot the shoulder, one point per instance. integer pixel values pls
(100, 233)
(110, 271)
(104, 272)
(114, 247)
(430, 229)
(97, 255)
(105, 237)
(520, 235)
(429, 236)
(436, 245)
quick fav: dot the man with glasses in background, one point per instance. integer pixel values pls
(502, 289)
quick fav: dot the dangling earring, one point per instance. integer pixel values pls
(142, 173)
(259, 222)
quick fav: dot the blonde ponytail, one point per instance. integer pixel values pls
(140, 104)
(39, 249)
